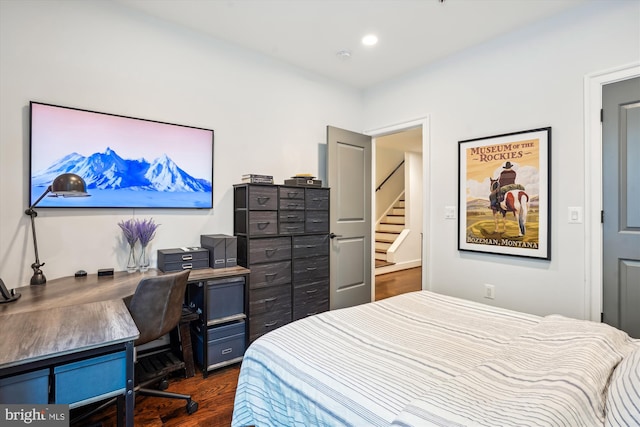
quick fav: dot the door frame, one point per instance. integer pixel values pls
(422, 122)
(593, 181)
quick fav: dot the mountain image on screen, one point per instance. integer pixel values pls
(108, 175)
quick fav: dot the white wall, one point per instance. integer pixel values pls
(268, 118)
(386, 160)
(531, 79)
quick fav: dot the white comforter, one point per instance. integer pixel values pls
(426, 359)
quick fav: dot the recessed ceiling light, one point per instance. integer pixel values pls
(370, 40)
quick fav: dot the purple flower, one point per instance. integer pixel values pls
(146, 230)
(130, 231)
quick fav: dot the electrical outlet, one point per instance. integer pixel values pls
(489, 291)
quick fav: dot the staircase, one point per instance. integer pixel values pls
(387, 231)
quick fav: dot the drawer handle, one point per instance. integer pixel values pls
(263, 224)
(270, 324)
(272, 299)
(312, 268)
(227, 350)
(187, 257)
(310, 246)
(292, 216)
(293, 227)
(312, 291)
(187, 266)
(270, 276)
(292, 193)
(316, 221)
(270, 251)
(262, 200)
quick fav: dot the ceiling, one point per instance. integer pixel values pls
(308, 34)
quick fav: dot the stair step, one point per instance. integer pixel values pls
(394, 219)
(381, 263)
(385, 227)
(385, 239)
(385, 235)
(382, 246)
(397, 211)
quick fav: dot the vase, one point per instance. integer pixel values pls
(132, 264)
(144, 259)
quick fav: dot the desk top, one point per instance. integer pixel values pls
(74, 291)
(29, 337)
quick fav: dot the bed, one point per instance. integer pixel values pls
(422, 359)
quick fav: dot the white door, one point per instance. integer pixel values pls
(621, 205)
(349, 178)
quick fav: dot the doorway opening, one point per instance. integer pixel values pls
(399, 207)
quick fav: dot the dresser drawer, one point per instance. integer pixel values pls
(310, 299)
(270, 249)
(263, 223)
(310, 246)
(317, 222)
(310, 269)
(275, 273)
(291, 222)
(267, 300)
(291, 198)
(262, 324)
(316, 199)
(269, 309)
(263, 198)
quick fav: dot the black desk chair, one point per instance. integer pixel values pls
(156, 308)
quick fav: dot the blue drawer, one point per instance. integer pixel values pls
(85, 380)
(225, 343)
(32, 387)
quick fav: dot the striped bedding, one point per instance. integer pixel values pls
(422, 359)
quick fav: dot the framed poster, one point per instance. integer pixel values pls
(504, 194)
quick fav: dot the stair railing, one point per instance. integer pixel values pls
(390, 175)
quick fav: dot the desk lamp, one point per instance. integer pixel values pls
(66, 185)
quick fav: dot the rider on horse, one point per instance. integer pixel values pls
(506, 182)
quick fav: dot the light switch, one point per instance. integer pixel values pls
(575, 215)
(449, 212)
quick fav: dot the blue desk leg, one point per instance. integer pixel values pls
(129, 393)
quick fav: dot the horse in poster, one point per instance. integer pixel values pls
(516, 201)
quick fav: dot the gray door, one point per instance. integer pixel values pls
(349, 177)
(621, 205)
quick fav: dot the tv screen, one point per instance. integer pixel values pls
(126, 162)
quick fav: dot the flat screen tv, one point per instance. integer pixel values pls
(126, 162)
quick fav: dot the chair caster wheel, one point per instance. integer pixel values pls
(164, 384)
(192, 407)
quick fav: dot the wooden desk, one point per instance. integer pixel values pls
(65, 320)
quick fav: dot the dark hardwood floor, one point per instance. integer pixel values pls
(216, 393)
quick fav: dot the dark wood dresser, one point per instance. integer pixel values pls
(283, 238)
